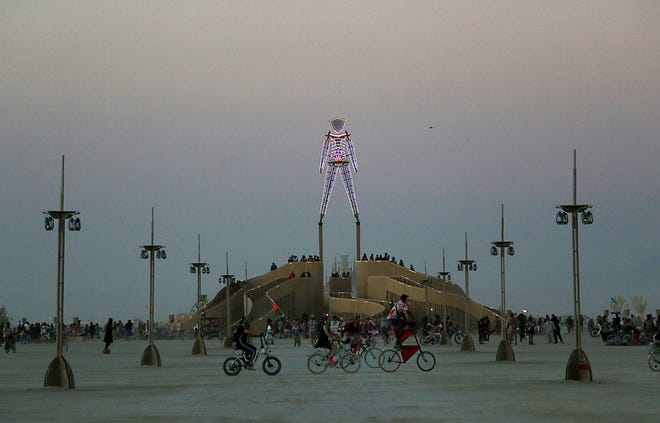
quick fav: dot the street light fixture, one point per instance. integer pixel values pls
(444, 276)
(228, 280)
(151, 356)
(59, 373)
(504, 349)
(467, 265)
(199, 348)
(578, 367)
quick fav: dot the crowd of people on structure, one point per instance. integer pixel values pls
(384, 257)
(303, 258)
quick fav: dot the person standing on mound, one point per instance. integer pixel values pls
(107, 338)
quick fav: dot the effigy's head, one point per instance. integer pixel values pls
(338, 124)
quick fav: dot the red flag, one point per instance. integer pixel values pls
(275, 307)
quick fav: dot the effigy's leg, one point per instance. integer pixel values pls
(330, 175)
(347, 178)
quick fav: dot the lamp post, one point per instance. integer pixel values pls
(504, 350)
(444, 276)
(151, 356)
(426, 283)
(578, 367)
(59, 373)
(199, 348)
(467, 265)
(227, 279)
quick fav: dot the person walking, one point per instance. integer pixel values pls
(548, 327)
(313, 327)
(107, 338)
(556, 329)
(531, 330)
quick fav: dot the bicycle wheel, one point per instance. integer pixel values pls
(458, 337)
(425, 361)
(389, 360)
(350, 362)
(232, 366)
(654, 360)
(317, 363)
(371, 357)
(271, 365)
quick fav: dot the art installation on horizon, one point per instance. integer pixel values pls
(338, 154)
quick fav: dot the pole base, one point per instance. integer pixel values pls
(505, 352)
(151, 356)
(468, 344)
(199, 348)
(59, 374)
(578, 367)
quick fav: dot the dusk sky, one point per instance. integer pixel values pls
(214, 113)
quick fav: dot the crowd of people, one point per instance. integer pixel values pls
(384, 257)
(24, 332)
(626, 330)
(520, 327)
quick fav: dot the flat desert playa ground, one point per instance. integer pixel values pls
(463, 386)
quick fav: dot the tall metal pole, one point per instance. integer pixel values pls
(227, 279)
(321, 241)
(199, 348)
(467, 265)
(443, 308)
(228, 293)
(59, 373)
(151, 356)
(578, 367)
(357, 239)
(504, 349)
(152, 278)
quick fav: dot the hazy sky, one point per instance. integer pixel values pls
(215, 112)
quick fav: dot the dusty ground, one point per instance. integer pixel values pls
(462, 387)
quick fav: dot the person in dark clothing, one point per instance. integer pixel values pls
(556, 328)
(107, 338)
(242, 333)
(324, 339)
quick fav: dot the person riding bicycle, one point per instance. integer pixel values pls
(324, 337)
(399, 317)
(8, 338)
(353, 330)
(241, 334)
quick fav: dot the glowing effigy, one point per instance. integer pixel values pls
(338, 154)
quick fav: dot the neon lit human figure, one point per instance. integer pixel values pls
(338, 154)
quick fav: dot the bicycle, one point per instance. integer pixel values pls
(370, 353)
(270, 339)
(431, 338)
(317, 362)
(458, 336)
(654, 356)
(391, 359)
(271, 364)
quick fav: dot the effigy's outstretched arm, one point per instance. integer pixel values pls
(351, 151)
(324, 152)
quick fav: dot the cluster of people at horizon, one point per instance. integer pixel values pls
(384, 257)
